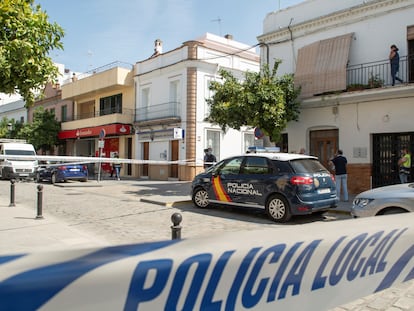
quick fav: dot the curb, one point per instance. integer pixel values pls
(338, 212)
(184, 202)
(166, 204)
(76, 185)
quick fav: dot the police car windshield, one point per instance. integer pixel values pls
(307, 166)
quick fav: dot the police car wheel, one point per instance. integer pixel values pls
(200, 198)
(277, 208)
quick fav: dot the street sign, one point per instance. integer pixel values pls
(258, 133)
(102, 134)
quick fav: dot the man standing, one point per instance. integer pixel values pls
(209, 158)
(405, 165)
(341, 178)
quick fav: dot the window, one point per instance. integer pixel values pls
(256, 165)
(145, 103)
(232, 167)
(64, 113)
(175, 98)
(248, 140)
(282, 167)
(208, 94)
(111, 104)
(213, 142)
(175, 91)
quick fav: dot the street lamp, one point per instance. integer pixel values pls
(9, 129)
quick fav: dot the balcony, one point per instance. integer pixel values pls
(124, 116)
(377, 74)
(106, 78)
(158, 114)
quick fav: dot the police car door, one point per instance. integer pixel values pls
(255, 180)
(224, 180)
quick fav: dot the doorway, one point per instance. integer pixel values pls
(145, 156)
(385, 155)
(410, 56)
(324, 144)
(174, 157)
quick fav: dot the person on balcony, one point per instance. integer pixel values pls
(395, 64)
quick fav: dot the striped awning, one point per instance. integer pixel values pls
(321, 66)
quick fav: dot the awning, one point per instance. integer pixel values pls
(321, 66)
(111, 129)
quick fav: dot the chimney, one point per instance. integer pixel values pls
(158, 46)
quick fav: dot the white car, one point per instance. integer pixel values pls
(384, 200)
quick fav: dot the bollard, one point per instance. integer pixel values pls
(39, 201)
(12, 188)
(176, 219)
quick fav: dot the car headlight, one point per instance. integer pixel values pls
(360, 202)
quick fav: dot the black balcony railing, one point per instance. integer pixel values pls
(375, 74)
(170, 110)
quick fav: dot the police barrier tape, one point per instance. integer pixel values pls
(84, 160)
(314, 266)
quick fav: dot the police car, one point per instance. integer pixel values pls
(283, 184)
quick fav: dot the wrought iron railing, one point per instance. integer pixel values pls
(100, 113)
(100, 69)
(157, 112)
(375, 74)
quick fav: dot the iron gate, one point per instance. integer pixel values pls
(386, 152)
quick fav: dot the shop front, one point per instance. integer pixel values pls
(85, 142)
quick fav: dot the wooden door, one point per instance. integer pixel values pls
(323, 145)
(174, 157)
(145, 156)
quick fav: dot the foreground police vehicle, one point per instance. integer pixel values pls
(282, 183)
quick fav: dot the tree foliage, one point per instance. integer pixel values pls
(4, 128)
(26, 38)
(261, 100)
(42, 133)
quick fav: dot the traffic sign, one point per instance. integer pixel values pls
(102, 134)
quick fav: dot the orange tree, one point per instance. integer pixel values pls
(261, 99)
(26, 38)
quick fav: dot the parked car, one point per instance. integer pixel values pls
(62, 172)
(384, 200)
(283, 184)
(14, 167)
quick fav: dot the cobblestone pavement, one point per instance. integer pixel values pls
(119, 212)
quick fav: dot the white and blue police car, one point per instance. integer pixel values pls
(284, 184)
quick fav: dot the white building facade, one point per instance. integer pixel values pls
(338, 51)
(171, 93)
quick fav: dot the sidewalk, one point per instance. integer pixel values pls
(21, 230)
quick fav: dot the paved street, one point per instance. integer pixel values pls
(130, 211)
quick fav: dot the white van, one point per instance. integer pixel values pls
(14, 167)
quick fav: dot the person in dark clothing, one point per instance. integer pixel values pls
(209, 158)
(395, 64)
(339, 162)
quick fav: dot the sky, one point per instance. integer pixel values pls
(99, 32)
